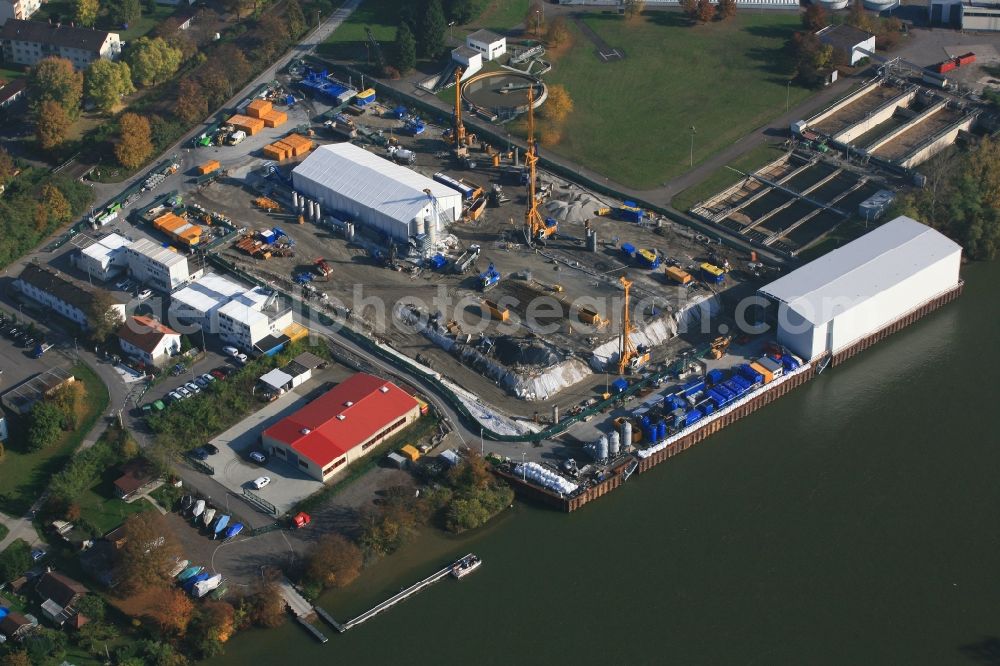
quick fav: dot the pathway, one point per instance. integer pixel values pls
(20, 528)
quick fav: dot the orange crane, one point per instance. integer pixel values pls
(461, 144)
(629, 357)
(533, 219)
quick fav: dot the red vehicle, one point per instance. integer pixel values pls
(301, 519)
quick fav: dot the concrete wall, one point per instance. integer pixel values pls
(837, 106)
(913, 122)
(980, 18)
(943, 140)
(879, 115)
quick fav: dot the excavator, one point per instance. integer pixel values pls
(720, 346)
(539, 229)
(630, 358)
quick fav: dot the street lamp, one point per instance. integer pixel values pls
(482, 446)
(788, 93)
(524, 470)
(451, 32)
(693, 132)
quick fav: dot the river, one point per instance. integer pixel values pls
(852, 521)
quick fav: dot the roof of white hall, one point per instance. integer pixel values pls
(863, 268)
(370, 180)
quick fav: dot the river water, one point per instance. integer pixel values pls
(853, 521)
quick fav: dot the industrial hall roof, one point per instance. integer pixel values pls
(371, 181)
(865, 267)
(843, 36)
(485, 36)
(66, 36)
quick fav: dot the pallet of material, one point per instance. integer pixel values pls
(208, 167)
(275, 152)
(274, 118)
(249, 125)
(258, 108)
(300, 145)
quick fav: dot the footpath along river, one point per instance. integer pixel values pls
(854, 521)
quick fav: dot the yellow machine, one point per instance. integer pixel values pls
(533, 219)
(629, 358)
(720, 346)
(461, 141)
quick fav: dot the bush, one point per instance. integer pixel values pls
(15, 560)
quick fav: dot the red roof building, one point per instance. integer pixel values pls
(341, 425)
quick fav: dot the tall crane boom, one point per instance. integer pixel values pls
(533, 219)
(460, 138)
(626, 350)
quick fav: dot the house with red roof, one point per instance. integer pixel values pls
(148, 340)
(341, 426)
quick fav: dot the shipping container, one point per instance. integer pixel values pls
(749, 373)
(274, 152)
(789, 363)
(693, 386)
(619, 385)
(453, 183)
(495, 311)
(764, 373)
(714, 376)
(274, 118)
(628, 250)
(774, 367)
(966, 59)
(677, 275)
(258, 108)
(208, 167)
(946, 66)
(712, 273)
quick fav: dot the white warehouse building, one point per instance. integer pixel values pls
(348, 180)
(865, 287)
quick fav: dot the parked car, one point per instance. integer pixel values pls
(123, 285)
(258, 457)
(178, 370)
(231, 351)
(211, 448)
(174, 396)
(207, 378)
(191, 386)
(200, 453)
(218, 374)
(242, 358)
(144, 294)
(200, 381)
(183, 390)
(260, 482)
(37, 554)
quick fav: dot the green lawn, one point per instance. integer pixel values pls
(26, 474)
(11, 74)
(501, 15)
(102, 509)
(722, 178)
(3, 532)
(66, 9)
(632, 117)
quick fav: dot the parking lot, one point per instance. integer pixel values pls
(16, 359)
(235, 470)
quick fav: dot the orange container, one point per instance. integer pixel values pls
(274, 118)
(273, 152)
(208, 167)
(258, 108)
(768, 376)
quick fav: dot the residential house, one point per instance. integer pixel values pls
(15, 626)
(59, 594)
(148, 340)
(487, 42)
(18, 9)
(136, 475)
(56, 291)
(28, 42)
(850, 44)
(11, 91)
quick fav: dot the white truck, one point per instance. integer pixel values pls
(237, 137)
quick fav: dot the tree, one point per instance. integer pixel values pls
(44, 425)
(7, 167)
(52, 124)
(153, 60)
(558, 105)
(124, 12)
(333, 561)
(15, 560)
(55, 79)
(107, 82)
(19, 658)
(706, 11)
(727, 9)
(173, 613)
(134, 145)
(432, 27)
(272, 37)
(150, 6)
(815, 18)
(558, 33)
(404, 54)
(86, 12)
(534, 18)
(294, 18)
(103, 318)
(463, 11)
(148, 553)
(265, 607)
(92, 606)
(634, 8)
(690, 8)
(54, 204)
(69, 400)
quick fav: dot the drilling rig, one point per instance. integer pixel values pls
(458, 132)
(538, 228)
(630, 358)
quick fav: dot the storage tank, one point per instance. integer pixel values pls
(300, 204)
(613, 443)
(555, 413)
(295, 199)
(591, 240)
(349, 231)
(421, 225)
(319, 212)
(661, 431)
(602, 448)
(626, 435)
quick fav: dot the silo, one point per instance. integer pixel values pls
(349, 231)
(591, 240)
(421, 226)
(613, 443)
(319, 211)
(295, 199)
(661, 431)
(626, 437)
(555, 413)
(601, 450)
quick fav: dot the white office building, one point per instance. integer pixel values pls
(244, 321)
(105, 258)
(200, 300)
(489, 43)
(156, 266)
(60, 294)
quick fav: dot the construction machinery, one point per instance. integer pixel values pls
(467, 259)
(264, 203)
(489, 278)
(323, 268)
(458, 134)
(376, 49)
(539, 229)
(630, 357)
(720, 346)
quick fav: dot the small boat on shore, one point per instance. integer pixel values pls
(220, 525)
(201, 588)
(194, 580)
(189, 572)
(234, 530)
(199, 508)
(465, 566)
(179, 567)
(208, 516)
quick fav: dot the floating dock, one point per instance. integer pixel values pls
(300, 608)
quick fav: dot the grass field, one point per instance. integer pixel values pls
(632, 117)
(3, 532)
(11, 74)
(102, 509)
(722, 178)
(26, 474)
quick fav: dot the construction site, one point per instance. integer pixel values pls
(547, 302)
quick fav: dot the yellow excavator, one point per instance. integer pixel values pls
(720, 346)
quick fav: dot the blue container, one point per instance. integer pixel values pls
(438, 262)
(693, 416)
(694, 386)
(628, 250)
(644, 420)
(707, 407)
(714, 376)
(661, 430)
(725, 392)
(716, 397)
(619, 385)
(789, 363)
(649, 434)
